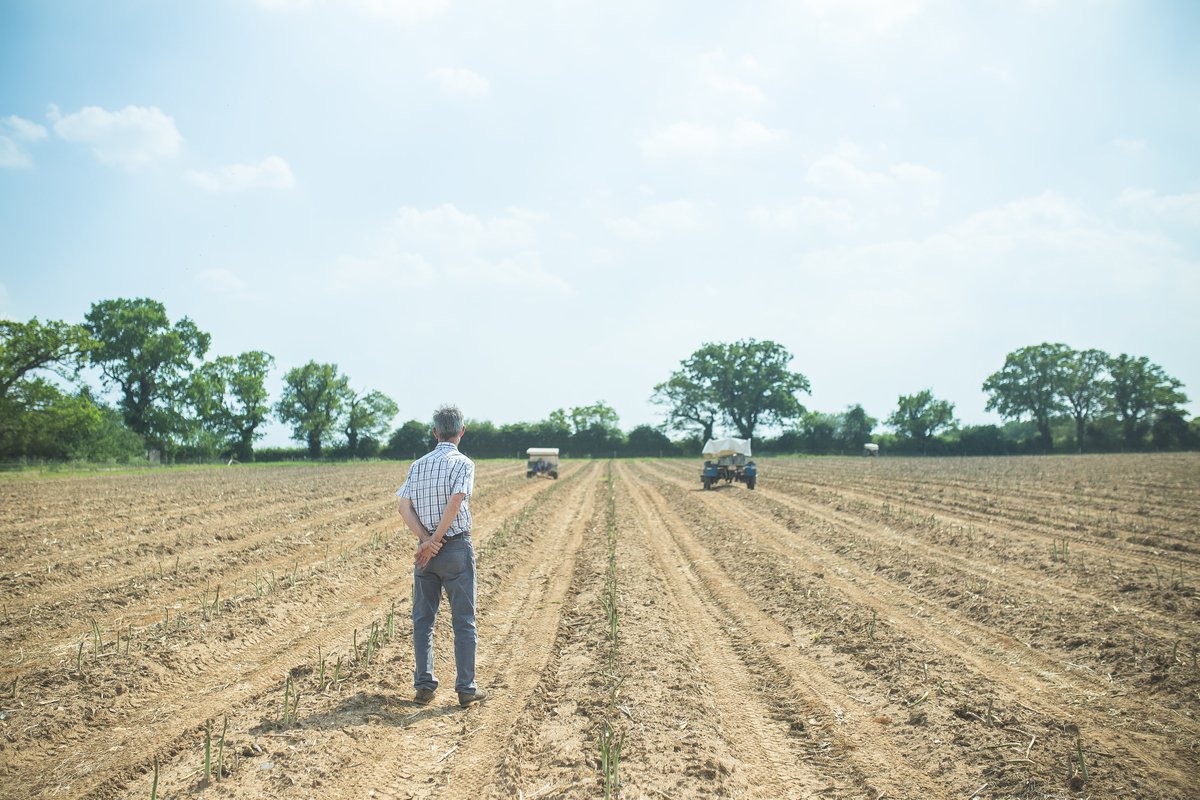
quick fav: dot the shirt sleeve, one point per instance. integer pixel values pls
(464, 481)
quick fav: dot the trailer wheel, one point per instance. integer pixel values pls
(528, 473)
(554, 474)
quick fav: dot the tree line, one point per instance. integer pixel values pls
(170, 401)
(173, 401)
(1051, 396)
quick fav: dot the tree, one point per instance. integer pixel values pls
(368, 414)
(1171, 431)
(747, 382)
(148, 360)
(410, 440)
(855, 427)
(33, 411)
(1083, 388)
(598, 415)
(688, 405)
(819, 432)
(645, 440)
(1030, 384)
(920, 416)
(230, 398)
(1139, 390)
(595, 428)
(29, 346)
(312, 401)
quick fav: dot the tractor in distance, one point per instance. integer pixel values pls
(542, 461)
(728, 460)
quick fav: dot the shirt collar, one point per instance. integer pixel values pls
(451, 445)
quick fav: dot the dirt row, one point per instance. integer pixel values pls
(853, 628)
(914, 642)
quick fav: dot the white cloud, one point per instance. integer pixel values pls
(856, 18)
(133, 137)
(833, 215)
(449, 251)
(682, 140)
(403, 11)
(719, 70)
(679, 216)
(1035, 267)
(460, 82)
(841, 172)
(221, 280)
(15, 134)
(740, 90)
(1183, 208)
(747, 134)
(1032, 251)
(270, 173)
(693, 141)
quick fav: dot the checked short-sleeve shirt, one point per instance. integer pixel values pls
(432, 479)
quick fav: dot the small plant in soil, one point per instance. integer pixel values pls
(291, 700)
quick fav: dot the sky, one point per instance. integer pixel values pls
(525, 206)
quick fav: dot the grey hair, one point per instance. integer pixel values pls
(447, 421)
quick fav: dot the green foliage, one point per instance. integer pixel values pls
(818, 432)
(918, 418)
(1031, 384)
(410, 440)
(686, 401)
(645, 440)
(230, 398)
(367, 416)
(1043, 381)
(29, 346)
(595, 430)
(747, 383)
(598, 415)
(313, 398)
(1139, 390)
(148, 360)
(1172, 432)
(40, 421)
(1083, 388)
(854, 428)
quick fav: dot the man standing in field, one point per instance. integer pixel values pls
(434, 505)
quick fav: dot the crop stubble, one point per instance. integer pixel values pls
(852, 628)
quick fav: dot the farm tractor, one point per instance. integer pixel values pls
(542, 461)
(728, 460)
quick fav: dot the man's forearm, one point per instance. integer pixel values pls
(452, 507)
(409, 515)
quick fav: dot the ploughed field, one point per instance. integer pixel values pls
(852, 628)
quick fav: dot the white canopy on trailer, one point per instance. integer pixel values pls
(534, 452)
(727, 447)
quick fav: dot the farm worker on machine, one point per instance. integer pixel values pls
(434, 498)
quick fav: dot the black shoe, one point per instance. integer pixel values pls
(465, 699)
(424, 697)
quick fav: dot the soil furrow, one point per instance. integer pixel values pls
(987, 661)
(223, 670)
(732, 732)
(814, 699)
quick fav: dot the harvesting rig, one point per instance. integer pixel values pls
(542, 461)
(728, 460)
